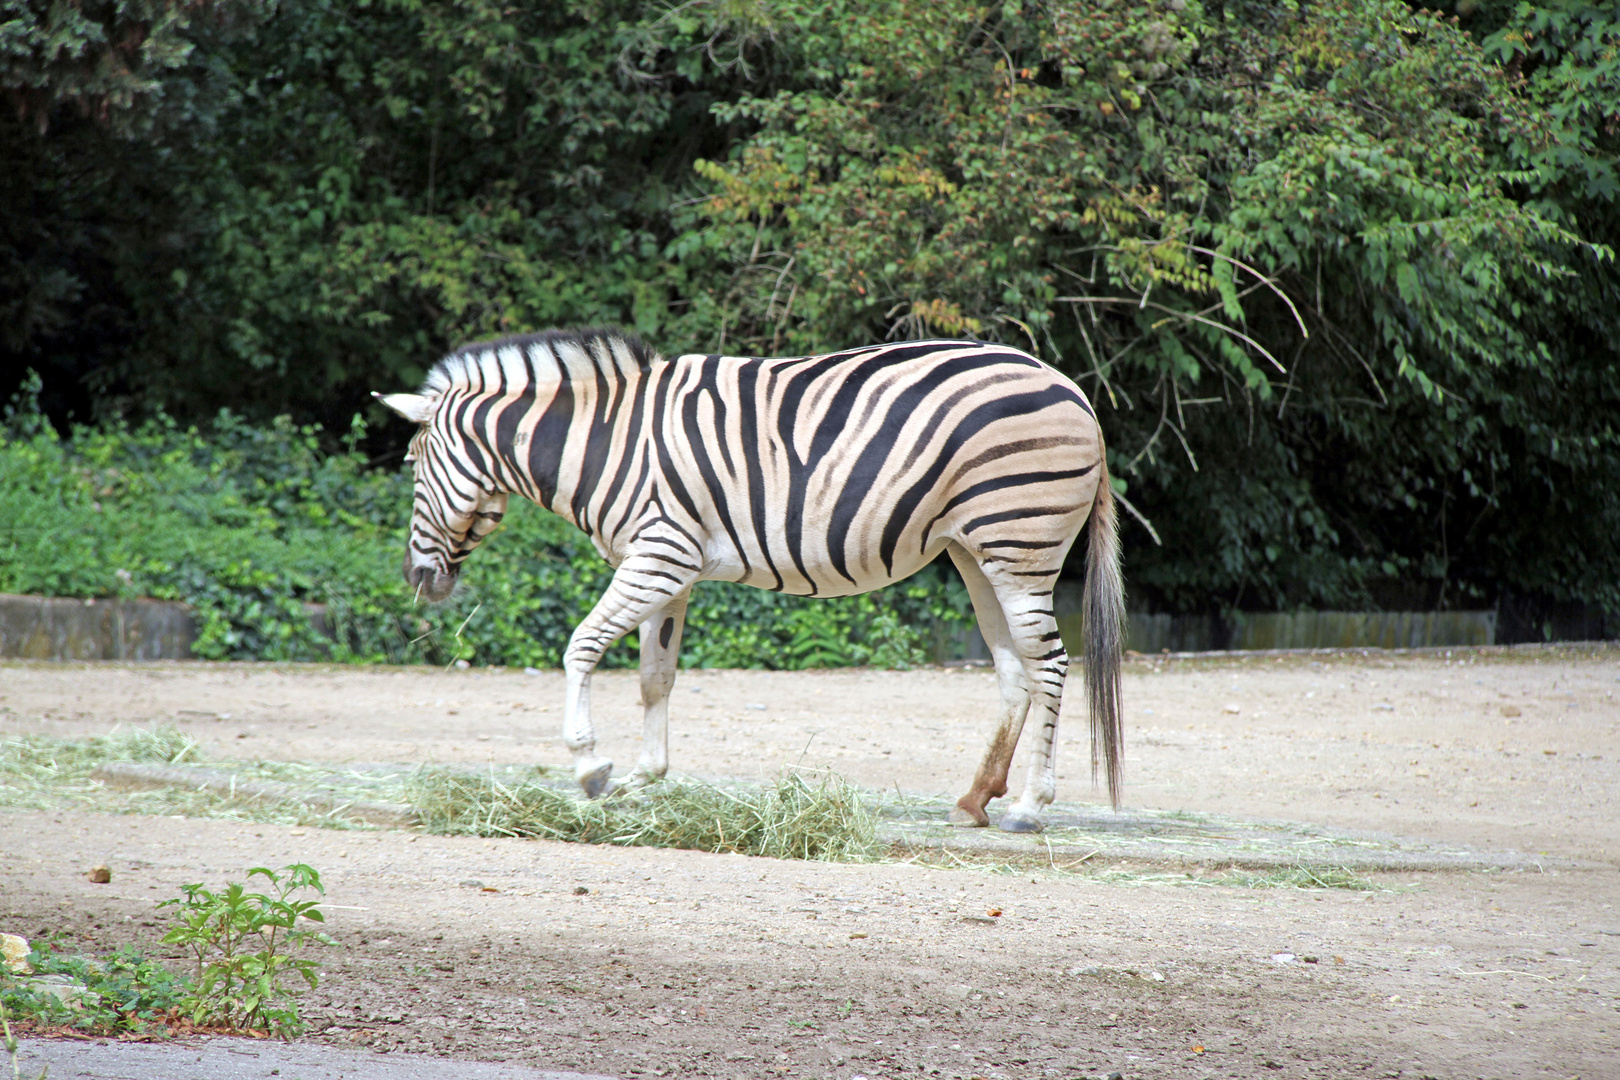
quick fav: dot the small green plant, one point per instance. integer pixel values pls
(246, 946)
(11, 1043)
(123, 992)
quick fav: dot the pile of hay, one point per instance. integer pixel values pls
(794, 818)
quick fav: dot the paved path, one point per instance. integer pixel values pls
(248, 1059)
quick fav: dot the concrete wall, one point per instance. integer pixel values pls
(1150, 633)
(1308, 630)
(48, 628)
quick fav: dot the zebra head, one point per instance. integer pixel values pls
(455, 505)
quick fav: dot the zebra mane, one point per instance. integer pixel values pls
(571, 353)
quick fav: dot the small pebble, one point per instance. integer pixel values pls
(100, 874)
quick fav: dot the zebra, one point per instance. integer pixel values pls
(817, 476)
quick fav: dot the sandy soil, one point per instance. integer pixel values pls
(678, 963)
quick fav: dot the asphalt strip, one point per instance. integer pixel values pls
(249, 1059)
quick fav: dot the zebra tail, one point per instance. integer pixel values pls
(1104, 635)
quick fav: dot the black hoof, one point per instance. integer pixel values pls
(595, 782)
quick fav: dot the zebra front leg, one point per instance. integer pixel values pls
(642, 585)
(660, 656)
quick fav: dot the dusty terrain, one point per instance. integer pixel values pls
(678, 963)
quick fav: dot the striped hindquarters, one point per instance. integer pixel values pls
(838, 474)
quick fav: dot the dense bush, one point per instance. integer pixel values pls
(1338, 274)
(249, 524)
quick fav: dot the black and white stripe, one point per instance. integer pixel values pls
(818, 476)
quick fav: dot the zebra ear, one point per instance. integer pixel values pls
(413, 407)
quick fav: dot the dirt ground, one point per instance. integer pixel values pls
(686, 964)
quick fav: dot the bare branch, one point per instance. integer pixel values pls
(1270, 283)
(1137, 514)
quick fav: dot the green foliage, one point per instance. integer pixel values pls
(1284, 247)
(117, 994)
(247, 945)
(1339, 276)
(112, 62)
(246, 525)
(794, 818)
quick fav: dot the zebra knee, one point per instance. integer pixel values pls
(655, 686)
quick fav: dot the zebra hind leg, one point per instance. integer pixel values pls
(1032, 625)
(990, 780)
(660, 655)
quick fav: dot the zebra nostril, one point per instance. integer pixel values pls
(429, 582)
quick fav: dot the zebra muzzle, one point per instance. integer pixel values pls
(429, 582)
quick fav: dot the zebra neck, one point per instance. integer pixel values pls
(554, 441)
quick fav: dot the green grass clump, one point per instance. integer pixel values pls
(794, 818)
(1283, 877)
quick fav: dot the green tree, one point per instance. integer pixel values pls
(1339, 274)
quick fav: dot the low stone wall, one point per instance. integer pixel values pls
(51, 628)
(1310, 630)
(48, 628)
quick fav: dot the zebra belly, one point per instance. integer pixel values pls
(823, 581)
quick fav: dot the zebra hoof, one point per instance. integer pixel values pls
(595, 780)
(962, 819)
(1015, 822)
(636, 781)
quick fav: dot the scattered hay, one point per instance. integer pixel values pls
(794, 818)
(1298, 876)
(37, 768)
(38, 772)
(1303, 877)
